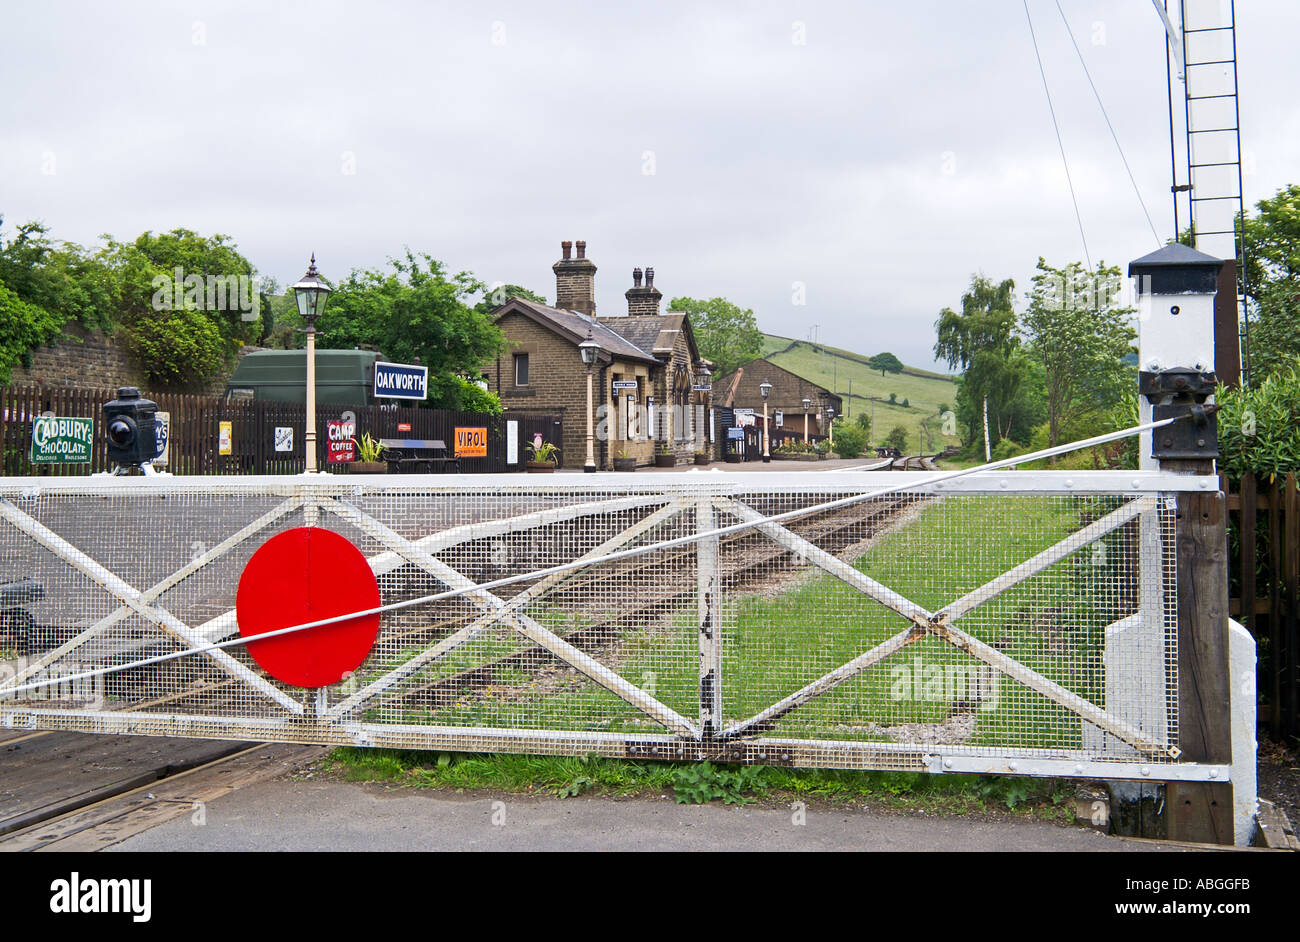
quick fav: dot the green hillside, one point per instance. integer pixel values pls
(847, 374)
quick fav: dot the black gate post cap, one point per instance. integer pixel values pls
(1176, 269)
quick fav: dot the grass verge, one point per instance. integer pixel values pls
(698, 783)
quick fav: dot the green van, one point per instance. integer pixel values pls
(343, 377)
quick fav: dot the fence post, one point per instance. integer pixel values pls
(1216, 658)
(708, 584)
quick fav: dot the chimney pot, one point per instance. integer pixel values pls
(636, 277)
(575, 281)
(649, 277)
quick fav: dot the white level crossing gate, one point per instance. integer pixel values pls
(1019, 622)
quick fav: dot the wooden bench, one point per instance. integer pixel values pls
(417, 454)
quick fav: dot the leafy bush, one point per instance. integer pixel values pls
(897, 438)
(471, 397)
(700, 784)
(1007, 449)
(368, 448)
(23, 328)
(850, 440)
(795, 446)
(180, 348)
(1259, 429)
(545, 453)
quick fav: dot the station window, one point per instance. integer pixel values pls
(521, 369)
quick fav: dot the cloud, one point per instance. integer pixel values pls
(878, 154)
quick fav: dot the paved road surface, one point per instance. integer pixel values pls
(317, 816)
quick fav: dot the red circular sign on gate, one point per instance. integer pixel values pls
(304, 575)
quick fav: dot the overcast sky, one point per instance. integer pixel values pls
(876, 153)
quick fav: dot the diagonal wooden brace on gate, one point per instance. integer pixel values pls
(224, 625)
(1048, 557)
(827, 561)
(155, 591)
(521, 622)
(939, 625)
(516, 603)
(133, 598)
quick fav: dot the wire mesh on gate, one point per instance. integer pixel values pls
(987, 622)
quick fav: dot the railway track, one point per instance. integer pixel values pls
(912, 463)
(139, 791)
(747, 560)
(150, 792)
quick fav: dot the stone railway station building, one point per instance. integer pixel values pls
(740, 390)
(652, 354)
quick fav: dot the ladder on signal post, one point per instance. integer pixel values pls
(1203, 50)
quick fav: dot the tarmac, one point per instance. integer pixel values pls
(324, 815)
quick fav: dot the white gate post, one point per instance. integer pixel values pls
(1216, 658)
(708, 585)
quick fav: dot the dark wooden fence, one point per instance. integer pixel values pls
(195, 425)
(1264, 560)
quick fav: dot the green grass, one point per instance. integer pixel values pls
(775, 643)
(570, 776)
(834, 368)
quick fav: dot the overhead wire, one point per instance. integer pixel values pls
(10, 688)
(1114, 136)
(1059, 143)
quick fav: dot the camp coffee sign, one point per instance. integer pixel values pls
(57, 440)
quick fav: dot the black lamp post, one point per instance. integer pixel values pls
(311, 293)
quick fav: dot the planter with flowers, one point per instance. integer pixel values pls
(369, 456)
(545, 456)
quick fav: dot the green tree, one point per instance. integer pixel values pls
(178, 349)
(850, 440)
(471, 397)
(63, 279)
(1272, 237)
(186, 302)
(183, 269)
(981, 341)
(886, 363)
(1275, 329)
(415, 312)
(23, 328)
(1079, 334)
(1272, 246)
(864, 422)
(497, 295)
(897, 438)
(725, 334)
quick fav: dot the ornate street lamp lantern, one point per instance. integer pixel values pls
(590, 351)
(311, 294)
